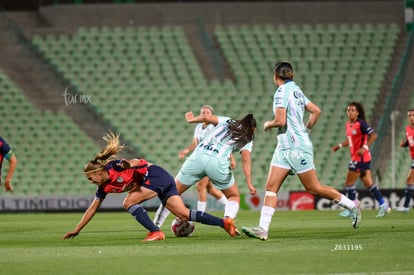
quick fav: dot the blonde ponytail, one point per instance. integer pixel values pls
(107, 154)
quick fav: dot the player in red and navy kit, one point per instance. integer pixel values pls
(359, 136)
(7, 153)
(409, 142)
(143, 181)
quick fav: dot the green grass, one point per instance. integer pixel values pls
(300, 242)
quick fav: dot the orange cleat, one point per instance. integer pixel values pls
(154, 236)
(229, 226)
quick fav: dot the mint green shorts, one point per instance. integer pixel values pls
(300, 159)
(198, 165)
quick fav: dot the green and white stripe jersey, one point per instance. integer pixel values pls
(200, 133)
(294, 134)
(218, 144)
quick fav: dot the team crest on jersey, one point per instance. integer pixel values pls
(119, 180)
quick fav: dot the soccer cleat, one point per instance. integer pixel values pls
(229, 226)
(154, 236)
(402, 209)
(356, 215)
(345, 213)
(255, 232)
(384, 210)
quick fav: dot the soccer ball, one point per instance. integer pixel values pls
(182, 228)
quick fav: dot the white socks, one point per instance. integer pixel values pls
(161, 215)
(231, 209)
(346, 202)
(201, 206)
(266, 215)
(223, 200)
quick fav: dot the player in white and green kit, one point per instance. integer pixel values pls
(204, 186)
(294, 151)
(212, 159)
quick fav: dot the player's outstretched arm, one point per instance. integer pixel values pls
(87, 216)
(190, 118)
(340, 145)
(188, 149)
(12, 167)
(247, 171)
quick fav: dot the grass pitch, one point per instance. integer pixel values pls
(300, 242)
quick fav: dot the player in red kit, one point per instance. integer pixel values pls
(359, 136)
(143, 181)
(7, 153)
(409, 142)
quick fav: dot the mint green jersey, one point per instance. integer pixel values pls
(290, 97)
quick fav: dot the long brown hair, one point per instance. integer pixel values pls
(242, 131)
(106, 155)
(360, 109)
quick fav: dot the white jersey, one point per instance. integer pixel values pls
(200, 133)
(294, 134)
(218, 144)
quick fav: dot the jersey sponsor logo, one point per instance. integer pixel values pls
(297, 94)
(354, 132)
(209, 147)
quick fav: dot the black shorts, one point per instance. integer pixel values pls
(161, 182)
(359, 166)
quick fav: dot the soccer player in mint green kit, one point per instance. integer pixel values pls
(212, 159)
(294, 151)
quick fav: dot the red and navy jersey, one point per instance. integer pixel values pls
(357, 134)
(4, 149)
(122, 179)
(409, 139)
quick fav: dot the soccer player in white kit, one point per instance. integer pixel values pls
(294, 151)
(212, 158)
(205, 186)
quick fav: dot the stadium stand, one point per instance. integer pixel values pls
(142, 70)
(50, 147)
(144, 79)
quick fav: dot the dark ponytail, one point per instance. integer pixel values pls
(242, 131)
(283, 70)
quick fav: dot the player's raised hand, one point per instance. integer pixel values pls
(189, 116)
